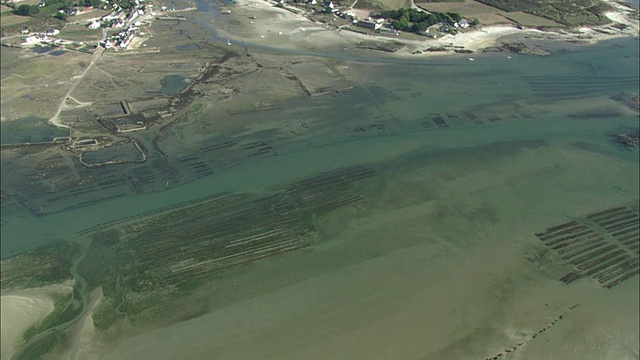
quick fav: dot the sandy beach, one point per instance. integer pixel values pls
(84, 341)
(18, 314)
(23, 308)
(476, 40)
(279, 27)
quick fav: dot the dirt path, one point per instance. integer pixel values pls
(54, 119)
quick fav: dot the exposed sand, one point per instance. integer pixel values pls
(278, 27)
(478, 39)
(18, 314)
(84, 341)
(446, 279)
(282, 28)
(23, 308)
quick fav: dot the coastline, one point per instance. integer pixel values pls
(454, 186)
(287, 29)
(84, 339)
(23, 308)
(280, 28)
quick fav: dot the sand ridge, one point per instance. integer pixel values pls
(23, 308)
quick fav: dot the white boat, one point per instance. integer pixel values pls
(228, 42)
(472, 59)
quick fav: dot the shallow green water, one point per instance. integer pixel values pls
(173, 84)
(31, 129)
(523, 92)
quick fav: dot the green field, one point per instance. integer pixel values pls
(525, 19)
(79, 33)
(381, 4)
(9, 19)
(565, 12)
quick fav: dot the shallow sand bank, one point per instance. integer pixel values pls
(84, 341)
(18, 314)
(23, 308)
(278, 27)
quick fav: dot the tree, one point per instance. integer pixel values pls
(433, 19)
(455, 16)
(447, 19)
(419, 26)
(390, 14)
(27, 10)
(416, 15)
(61, 15)
(402, 24)
(94, 3)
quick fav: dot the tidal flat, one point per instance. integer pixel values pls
(300, 206)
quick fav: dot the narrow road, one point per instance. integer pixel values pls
(414, 6)
(54, 119)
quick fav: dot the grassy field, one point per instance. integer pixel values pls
(9, 19)
(4, 9)
(525, 13)
(486, 15)
(525, 19)
(27, 2)
(382, 4)
(84, 18)
(565, 12)
(79, 33)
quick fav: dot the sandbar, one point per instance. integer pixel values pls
(18, 314)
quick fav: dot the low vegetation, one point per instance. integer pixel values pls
(53, 268)
(65, 309)
(106, 314)
(417, 21)
(565, 12)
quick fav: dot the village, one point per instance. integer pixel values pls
(117, 23)
(393, 22)
(120, 21)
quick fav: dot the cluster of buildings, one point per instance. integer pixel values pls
(119, 17)
(120, 40)
(76, 11)
(41, 38)
(373, 24)
(327, 6)
(435, 30)
(377, 24)
(52, 32)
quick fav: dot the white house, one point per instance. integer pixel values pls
(31, 40)
(52, 32)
